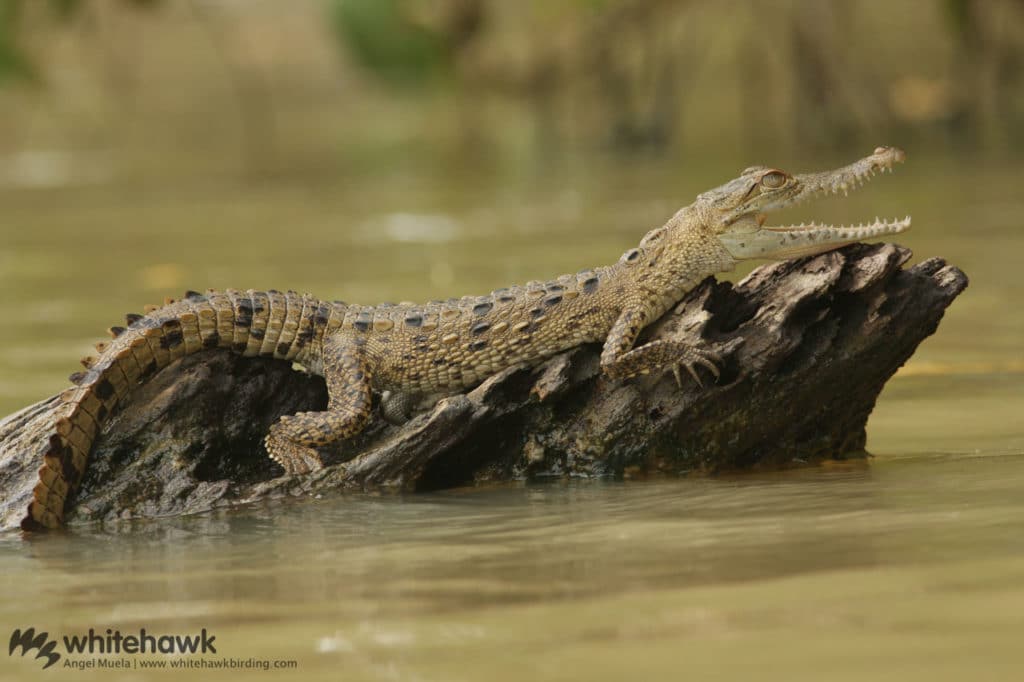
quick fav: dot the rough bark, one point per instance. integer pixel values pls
(807, 347)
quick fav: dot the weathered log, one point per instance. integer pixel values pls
(807, 346)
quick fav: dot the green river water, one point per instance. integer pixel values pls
(908, 567)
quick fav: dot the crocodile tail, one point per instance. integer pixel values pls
(252, 323)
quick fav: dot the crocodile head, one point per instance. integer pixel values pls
(736, 210)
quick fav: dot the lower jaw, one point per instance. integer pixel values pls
(780, 246)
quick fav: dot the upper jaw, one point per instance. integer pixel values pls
(812, 185)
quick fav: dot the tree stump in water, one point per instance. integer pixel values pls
(807, 346)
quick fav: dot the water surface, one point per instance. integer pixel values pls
(910, 569)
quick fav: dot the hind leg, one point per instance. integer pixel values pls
(293, 441)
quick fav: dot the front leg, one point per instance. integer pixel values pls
(619, 360)
(293, 440)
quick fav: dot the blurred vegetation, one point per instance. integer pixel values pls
(13, 62)
(15, 65)
(385, 37)
(649, 75)
(643, 62)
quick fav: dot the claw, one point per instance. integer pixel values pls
(705, 359)
(294, 458)
(693, 373)
(712, 367)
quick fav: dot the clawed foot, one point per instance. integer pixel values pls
(704, 358)
(295, 458)
(663, 355)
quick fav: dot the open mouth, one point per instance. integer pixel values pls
(787, 241)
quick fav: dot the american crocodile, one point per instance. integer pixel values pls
(414, 354)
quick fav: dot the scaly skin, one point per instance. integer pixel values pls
(418, 353)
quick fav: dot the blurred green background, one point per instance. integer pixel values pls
(265, 88)
(373, 150)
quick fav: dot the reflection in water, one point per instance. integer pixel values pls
(524, 581)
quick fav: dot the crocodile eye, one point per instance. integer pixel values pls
(773, 180)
